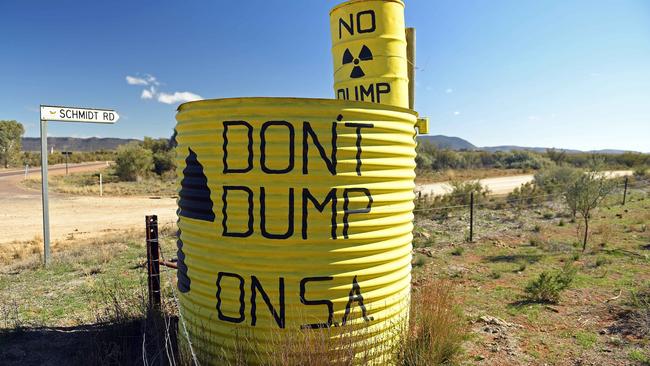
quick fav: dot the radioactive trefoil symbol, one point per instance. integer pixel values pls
(364, 55)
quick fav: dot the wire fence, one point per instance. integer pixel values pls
(169, 231)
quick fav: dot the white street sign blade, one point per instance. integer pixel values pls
(73, 114)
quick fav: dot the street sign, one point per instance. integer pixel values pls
(63, 114)
(74, 114)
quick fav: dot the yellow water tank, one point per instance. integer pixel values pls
(369, 52)
(294, 215)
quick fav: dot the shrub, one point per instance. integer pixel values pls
(641, 172)
(458, 251)
(163, 161)
(525, 195)
(555, 179)
(548, 286)
(437, 328)
(133, 162)
(419, 260)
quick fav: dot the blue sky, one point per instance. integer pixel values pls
(571, 74)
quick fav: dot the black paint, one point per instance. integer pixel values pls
(290, 215)
(331, 162)
(256, 286)
(355, 296)
(347, 211)
(183, 280)
(226, 168)
(330, 305)
(292, 148)
(358, 127)
(194, 197)
(307, 196)
(242, 304)
(224, 198)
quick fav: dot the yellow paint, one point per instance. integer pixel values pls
(374, 251)
(360, 28)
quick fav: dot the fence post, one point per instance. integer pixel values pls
(625, 191)
(101, 185)
(471, 217)
(153, 261)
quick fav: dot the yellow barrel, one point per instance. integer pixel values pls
(369, 52)
(294, 215)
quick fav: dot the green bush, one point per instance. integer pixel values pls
(133, 162)
(525, 195)
(163, 161)
(555, 179)
(641, 172)
(549, 285)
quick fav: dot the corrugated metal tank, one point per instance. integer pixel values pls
(294, 214)
(369, 52)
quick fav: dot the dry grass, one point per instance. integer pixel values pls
(87, 184)
(437, 328)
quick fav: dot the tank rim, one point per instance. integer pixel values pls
(343, 103)
(351, 2)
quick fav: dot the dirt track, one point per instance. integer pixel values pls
(73, 217)
(498, 185)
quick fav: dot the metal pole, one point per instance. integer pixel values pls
(26, 170)
(66, 164)
(46, 209)
(471, 217)
(625, 191)
(410, 57)
(101, 186)
(153, 261)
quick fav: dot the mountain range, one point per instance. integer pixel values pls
(440, 141)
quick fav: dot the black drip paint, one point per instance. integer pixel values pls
(194, 198)
(184, 281)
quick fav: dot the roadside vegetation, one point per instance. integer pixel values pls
(142, 169)
(523, 292)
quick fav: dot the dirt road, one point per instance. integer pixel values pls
(72, 217)
(498, 185)
(85, 217)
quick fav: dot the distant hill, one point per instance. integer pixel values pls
(447, 142)
(543, 149)
(440, 141)
(521, 148)
(457, 143)
(74, 143)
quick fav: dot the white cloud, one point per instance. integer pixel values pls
(148, 93)
(178, 97)
(449, 90)
(152, 93)
(456, 113)
(534, 118)
(132, 80)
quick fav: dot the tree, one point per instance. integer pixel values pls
(585, 193)
(133, 162)
(557, 156)
(11, 133)
(163, 154)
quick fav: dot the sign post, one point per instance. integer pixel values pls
(63, 114)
